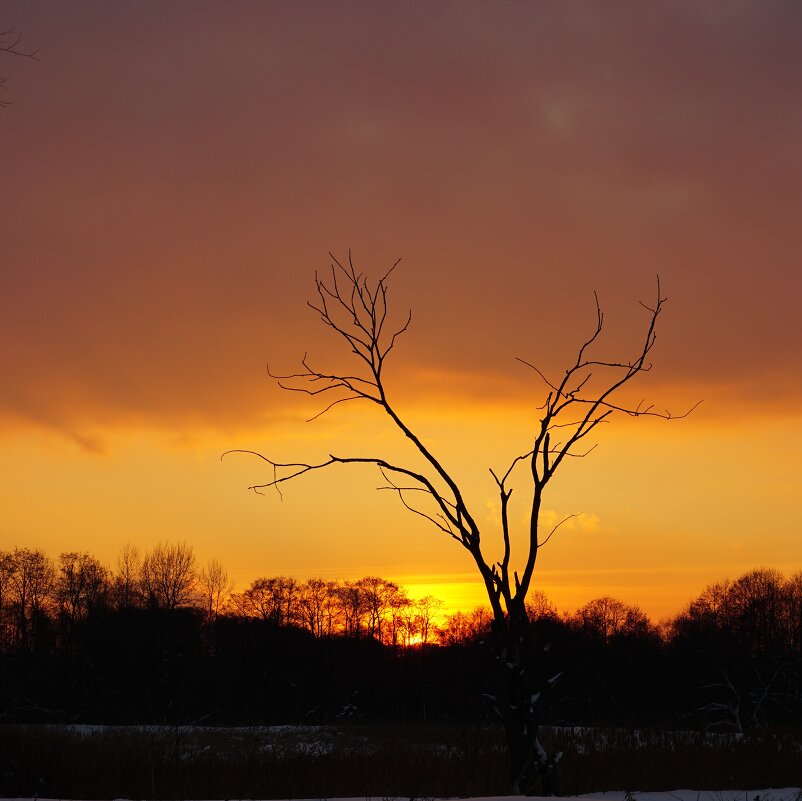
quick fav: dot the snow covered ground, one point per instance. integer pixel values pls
(270, 761)
(782, 794)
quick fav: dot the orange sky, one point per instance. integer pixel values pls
(174, 174)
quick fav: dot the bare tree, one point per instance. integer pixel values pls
(169, 576)
(464, 627)
(398, 617)
(214, 588)
(31, 583)
(608, 617)
(378, 596)
(793, 589)
(585, 396)
(81, 583)
(258, 600)
(352, 608)
(277, 599)
(427, 610)
(315, 606)
(128, 579)
(6, 573)
(539, 607)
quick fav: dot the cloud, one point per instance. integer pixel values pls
(582, 521)
(89, 443)
(587, 522)
(160, 246)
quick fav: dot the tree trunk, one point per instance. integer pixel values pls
(518, 698)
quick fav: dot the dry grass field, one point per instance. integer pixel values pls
(353, 760)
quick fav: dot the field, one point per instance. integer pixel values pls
(352, 760)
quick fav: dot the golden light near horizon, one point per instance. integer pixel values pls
(165, 211)
(148, 488)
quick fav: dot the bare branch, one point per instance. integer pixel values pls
(538, 371)
(587, 409)
(564, 520)
(287, 471)
(10, 43)
(514, 462)
(440, 521)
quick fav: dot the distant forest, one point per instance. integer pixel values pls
(159, 640)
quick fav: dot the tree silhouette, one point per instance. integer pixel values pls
(215, 588)
(81, 584)
(608, 617)
(169, 576)
(585, 396)
(31, 580)
(128, 590)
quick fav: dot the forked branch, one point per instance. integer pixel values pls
(576, 408)
(284, 472)
(585, 397)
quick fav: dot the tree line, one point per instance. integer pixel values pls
(160, 638)
(42, 598)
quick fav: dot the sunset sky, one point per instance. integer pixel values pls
(174, 173)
